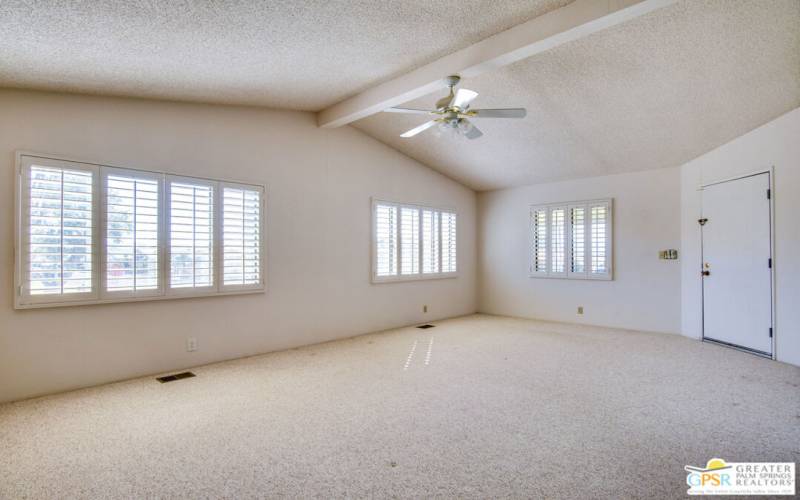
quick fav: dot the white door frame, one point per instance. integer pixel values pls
(770, 171)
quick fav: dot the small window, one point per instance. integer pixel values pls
(412, 242)
(571, 240)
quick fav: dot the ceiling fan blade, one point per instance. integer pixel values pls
(407, 111)
(499, 113)
(463, 98)
(473, 132)
(416, 130)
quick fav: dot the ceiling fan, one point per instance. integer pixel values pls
(453, 111)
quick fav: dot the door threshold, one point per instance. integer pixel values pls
(738, 347)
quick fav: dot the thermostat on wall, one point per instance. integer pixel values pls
(671, 254)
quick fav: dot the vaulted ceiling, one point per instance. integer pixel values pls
(294, 54)
(652, 92)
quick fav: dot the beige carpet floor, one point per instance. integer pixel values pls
(485, 407)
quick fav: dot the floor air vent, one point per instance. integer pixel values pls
(176, 376)
(425, 327)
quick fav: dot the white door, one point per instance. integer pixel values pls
(736, 267)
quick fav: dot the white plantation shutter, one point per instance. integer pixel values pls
(430, 241)
(578, 240)
(241, 236)
(385, 228)
(572, 241)
(58, 231)
(599, 215)
(539, 243)
(412, 242)
(409, 240)
(91, 234)
(191, 233)
(132, 222)
(449, 239)
(558, 240)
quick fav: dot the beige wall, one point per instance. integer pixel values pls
(319, 183)
(645, 293)
(776, 145)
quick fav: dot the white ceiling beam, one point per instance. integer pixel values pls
(571, 22)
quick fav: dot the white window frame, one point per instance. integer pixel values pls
(23, 300)
(215, 234)
(22, 295)
(261, 233)
(568, 243)
(121, 294)
(419, 276)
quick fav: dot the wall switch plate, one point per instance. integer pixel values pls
(191, 344)
(580, 309)
(424, 309)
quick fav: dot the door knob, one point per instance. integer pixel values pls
(706, 273)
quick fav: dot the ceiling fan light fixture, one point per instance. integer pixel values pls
(465, 126)
(453, 111)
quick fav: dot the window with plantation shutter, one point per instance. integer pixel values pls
(577, 221)
(94, 234)
(599, 239)
(132, 221)
(449, 246)
(539, 243)
(430, 242)
(191, 233)
(58, 225)
(412, 242)
(241, 236)
(557, 240)
(386, 251)
(409, 240)
(571, 240)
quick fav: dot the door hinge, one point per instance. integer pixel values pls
(702, 222)
(770, 332)
(769, 194)
(770, 263)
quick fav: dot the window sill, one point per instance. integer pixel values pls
(415, 277)
(120, 300)
(605, 277)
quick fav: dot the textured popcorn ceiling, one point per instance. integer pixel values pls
(296, 54)
(653, 92)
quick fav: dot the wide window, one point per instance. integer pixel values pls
(412, 242)
(571, 240)
(91, 233)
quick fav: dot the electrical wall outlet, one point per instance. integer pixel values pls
(191, 344)
(580, 309)
(425, 308)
